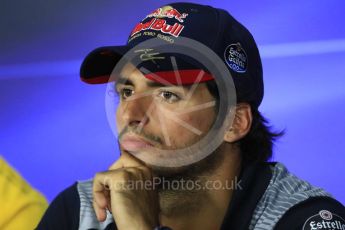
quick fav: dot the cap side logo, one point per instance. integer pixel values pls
(236, 58)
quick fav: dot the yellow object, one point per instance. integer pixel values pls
(21, 207)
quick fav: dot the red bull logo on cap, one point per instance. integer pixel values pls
(167, 12)
(159, 25)
(158, 22)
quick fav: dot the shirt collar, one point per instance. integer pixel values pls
(254, 179)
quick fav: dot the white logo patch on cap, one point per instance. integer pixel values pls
(236, 58)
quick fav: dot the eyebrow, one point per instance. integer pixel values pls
(155, 84)
(126, 81)
(123, 81)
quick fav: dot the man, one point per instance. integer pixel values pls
(166, 111)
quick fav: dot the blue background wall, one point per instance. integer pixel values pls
(53, 128)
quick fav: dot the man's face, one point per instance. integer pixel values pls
(153, 115)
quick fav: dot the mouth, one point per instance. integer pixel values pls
(134, 143)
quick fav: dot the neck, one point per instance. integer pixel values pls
(205, 206)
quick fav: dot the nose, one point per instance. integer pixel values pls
(135, 112)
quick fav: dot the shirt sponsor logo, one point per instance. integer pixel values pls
(236, 58)
(324, 220)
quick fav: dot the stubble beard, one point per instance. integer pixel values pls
(182, 200)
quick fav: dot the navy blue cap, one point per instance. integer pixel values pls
(213, 27)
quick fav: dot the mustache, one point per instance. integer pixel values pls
(134, 130)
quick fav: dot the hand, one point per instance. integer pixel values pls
(133, 207)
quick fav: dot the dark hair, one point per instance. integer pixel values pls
(257, 145)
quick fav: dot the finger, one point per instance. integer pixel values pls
(142, 174)
(107, 195)
(101, 213)
(100, 199)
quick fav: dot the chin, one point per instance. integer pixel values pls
(174, 173)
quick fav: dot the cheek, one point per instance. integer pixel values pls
(119, 119)
(186, 132)
(201, 120)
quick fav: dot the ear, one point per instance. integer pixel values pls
(241, 123)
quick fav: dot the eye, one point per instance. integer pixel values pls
(169, 96)
(125, 93)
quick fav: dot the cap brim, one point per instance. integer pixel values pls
(99, 63)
